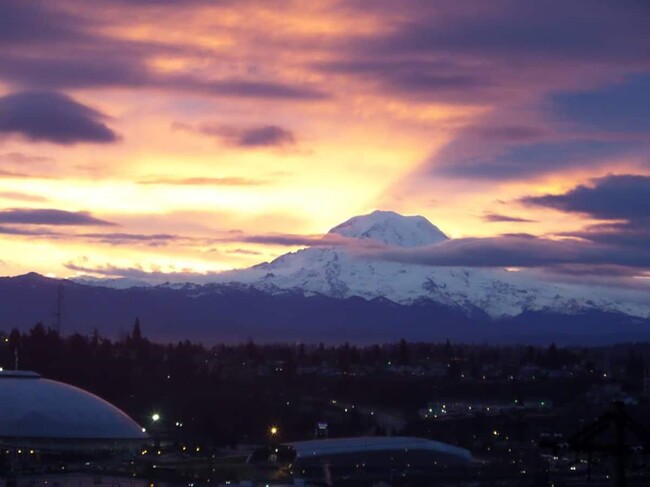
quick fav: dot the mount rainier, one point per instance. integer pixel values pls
(337, 271)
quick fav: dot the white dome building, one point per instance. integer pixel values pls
(45, 414)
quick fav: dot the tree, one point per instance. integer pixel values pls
(137, 332)
(403, 355)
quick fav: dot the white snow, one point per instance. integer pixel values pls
(391, 228)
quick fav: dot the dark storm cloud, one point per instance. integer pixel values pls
(498, 217)
(614, 197)
(28, 216)
(52, 117)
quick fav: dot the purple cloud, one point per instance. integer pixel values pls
(52, 117)
(250, 137)
(613, 197)
(513, 251)
(27, 216)
(498, 217)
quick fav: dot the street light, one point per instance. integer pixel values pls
(155, 417)
(274, 430)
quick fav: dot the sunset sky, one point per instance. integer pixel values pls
(198, 136)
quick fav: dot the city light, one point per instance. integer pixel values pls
(155, 417)
(273, 430)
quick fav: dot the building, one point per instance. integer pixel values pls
(52, 416)
(378, 457)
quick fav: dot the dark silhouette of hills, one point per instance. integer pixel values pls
(233, 313)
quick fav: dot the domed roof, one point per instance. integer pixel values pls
(33, 407)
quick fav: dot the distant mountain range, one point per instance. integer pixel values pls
(329, 293)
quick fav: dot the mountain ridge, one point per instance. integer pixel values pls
(215, 313)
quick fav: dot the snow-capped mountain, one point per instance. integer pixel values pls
(337, 271)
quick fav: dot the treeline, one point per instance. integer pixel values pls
(233, 392)
(75, 356)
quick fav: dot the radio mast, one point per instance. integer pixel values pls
(58, 315)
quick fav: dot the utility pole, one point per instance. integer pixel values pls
(594, 438)
(58, 315)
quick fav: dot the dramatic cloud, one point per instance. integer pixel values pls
(26, 216)
(613, 197)
(396, 105)
(625, 198)
(497, 217)
(52, 117)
